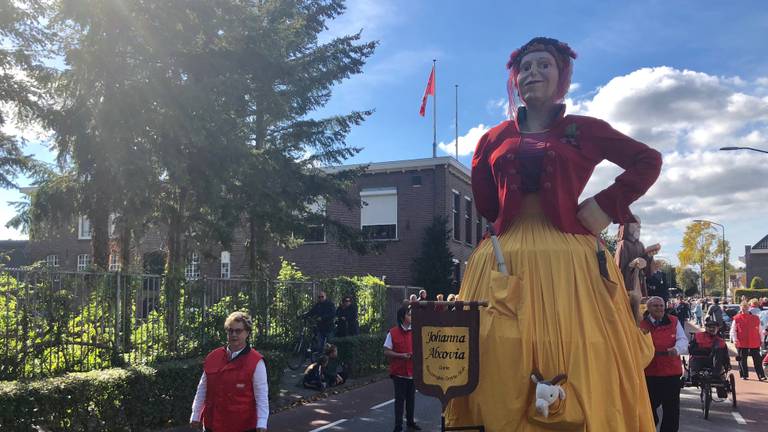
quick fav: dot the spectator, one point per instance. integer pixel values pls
(663, 373)
(698, 312)
(754, 306)
(715, 313)
(314, 375)
(413, 298)
(398, 348)
(657, 282)
(764, 302)
(683, 309)
(346, 318)
(222, 401)
(440, 308)
(323, 312)
(335, 373)
(423, 295)
(745, 334)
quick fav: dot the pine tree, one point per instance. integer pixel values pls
(433, 268)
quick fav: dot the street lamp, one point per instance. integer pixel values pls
(725, 286)
(743, 148)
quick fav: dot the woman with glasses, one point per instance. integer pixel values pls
(232, 393)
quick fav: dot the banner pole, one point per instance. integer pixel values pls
(434, 109)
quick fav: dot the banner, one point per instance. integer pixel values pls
(446, 349)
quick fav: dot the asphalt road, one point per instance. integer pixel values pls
(369, 409)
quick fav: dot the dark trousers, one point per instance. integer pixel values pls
(405, 394)
(744, 353)
(665, 392)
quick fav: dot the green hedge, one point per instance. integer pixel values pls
(750, 293)
(133, 399)
(362, 354)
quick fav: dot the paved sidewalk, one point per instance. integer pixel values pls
(293, 394)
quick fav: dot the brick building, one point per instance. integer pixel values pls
(398, 199)
(756, 259)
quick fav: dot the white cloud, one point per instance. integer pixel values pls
(467, 142)
(677, 110)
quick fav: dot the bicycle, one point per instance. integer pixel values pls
(302, 347)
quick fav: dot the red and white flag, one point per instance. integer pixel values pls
(430, 90)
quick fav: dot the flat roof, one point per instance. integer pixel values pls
(406, 165)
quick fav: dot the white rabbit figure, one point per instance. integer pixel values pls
(547, 392)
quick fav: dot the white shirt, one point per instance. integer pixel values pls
(681, 340)
(260, 392)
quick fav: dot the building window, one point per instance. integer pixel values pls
(416, 181)
(316, 233)
(378, 215)
(456, 216)
(479, 229)
(114, 262)
(52, 260)
(192, 270)
(84, 228)
(225, 265)
(83, 262)
(468, 220)
(112, 226)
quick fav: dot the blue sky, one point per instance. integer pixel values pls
(686, 77)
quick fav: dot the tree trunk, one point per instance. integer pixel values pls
(99, 219)
(174, 269)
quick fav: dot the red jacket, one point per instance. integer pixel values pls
(402, 342)
(575, 145)
(229, 400)
(747, 330)
(664, 336)
(705, 342)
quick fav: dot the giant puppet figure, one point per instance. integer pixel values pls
(629, 248)
(557, 315)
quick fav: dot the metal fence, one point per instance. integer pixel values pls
(56, 322)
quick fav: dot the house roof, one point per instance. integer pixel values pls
(762, 244)
(406, 165)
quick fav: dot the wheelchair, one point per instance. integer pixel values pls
(708, 374)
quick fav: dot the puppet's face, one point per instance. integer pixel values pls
(538, 78)
(634, 230)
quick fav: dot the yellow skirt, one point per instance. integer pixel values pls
(555, 315)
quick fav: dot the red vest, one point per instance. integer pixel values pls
(229, 400)
(664, 335)
(402, 342)
(705, 341)
(747, 330)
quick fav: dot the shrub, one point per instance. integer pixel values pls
(750, 293)
(362, 354)
(133, 399)
(757, 283)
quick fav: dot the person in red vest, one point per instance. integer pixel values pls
(745, 334)
(398, 348)
(662, 376)
(708, 350)
(232, 393)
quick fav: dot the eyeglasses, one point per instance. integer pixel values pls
(235, 331)
(320, 297)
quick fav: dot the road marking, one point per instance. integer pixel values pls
(382, 404)
(329, 425)
(738, 417)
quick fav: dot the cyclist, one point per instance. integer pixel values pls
(324, 312)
